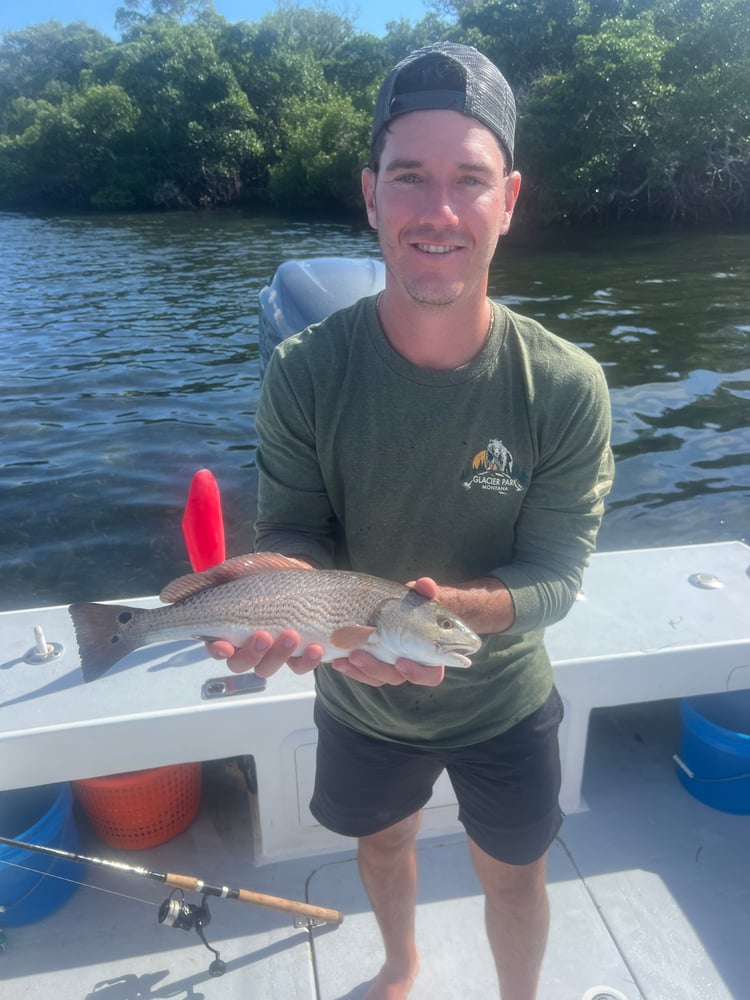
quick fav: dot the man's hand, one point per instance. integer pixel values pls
(265, 655)
(363, 667)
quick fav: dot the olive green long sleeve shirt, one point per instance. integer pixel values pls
(497, 468)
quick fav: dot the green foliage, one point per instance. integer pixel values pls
(703, 139)
(196, 125)
(46, 55)
(659, 110)
(69, 152)
(322, 159)
(526, 38)
(609, 100)
(626, 107)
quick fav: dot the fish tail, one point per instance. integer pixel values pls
(101, 639)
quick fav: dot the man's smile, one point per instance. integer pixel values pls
(435, 248)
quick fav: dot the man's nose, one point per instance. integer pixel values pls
(438, 203)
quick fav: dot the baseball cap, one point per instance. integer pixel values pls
(452, 77)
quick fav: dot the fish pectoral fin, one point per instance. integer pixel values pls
(352, 636)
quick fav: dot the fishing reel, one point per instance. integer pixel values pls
(176, 912)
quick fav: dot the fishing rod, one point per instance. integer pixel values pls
(176, 912)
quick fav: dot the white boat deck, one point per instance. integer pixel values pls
(649, 889)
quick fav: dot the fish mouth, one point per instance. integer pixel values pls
(456, 655)
(457, 660)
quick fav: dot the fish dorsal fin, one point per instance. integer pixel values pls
(232, 569)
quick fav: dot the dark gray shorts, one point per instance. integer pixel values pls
(507, 787)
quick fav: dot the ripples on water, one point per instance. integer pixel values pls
(130, 360)
(668, 316)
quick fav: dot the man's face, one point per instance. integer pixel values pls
(440, 201)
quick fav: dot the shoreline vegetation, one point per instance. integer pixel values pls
(629, 110)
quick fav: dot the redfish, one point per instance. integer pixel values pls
(340, 610)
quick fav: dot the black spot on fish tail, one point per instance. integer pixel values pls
(101, 642)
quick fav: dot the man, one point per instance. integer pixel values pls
(431, 435)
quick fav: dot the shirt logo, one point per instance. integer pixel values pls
(492, 469)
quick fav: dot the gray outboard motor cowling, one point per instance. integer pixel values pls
(302, 292)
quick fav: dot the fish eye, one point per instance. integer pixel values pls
(445, 623)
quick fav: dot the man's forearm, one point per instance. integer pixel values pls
(484, 604)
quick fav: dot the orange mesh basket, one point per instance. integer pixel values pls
(141, 808)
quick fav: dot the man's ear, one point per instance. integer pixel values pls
(369, 179)
(512, 189)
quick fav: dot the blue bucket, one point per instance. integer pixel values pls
(41, 816)
(714, 758)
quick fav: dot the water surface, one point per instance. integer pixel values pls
(130, 360)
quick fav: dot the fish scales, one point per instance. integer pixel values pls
(338, 609)
(287, 598)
